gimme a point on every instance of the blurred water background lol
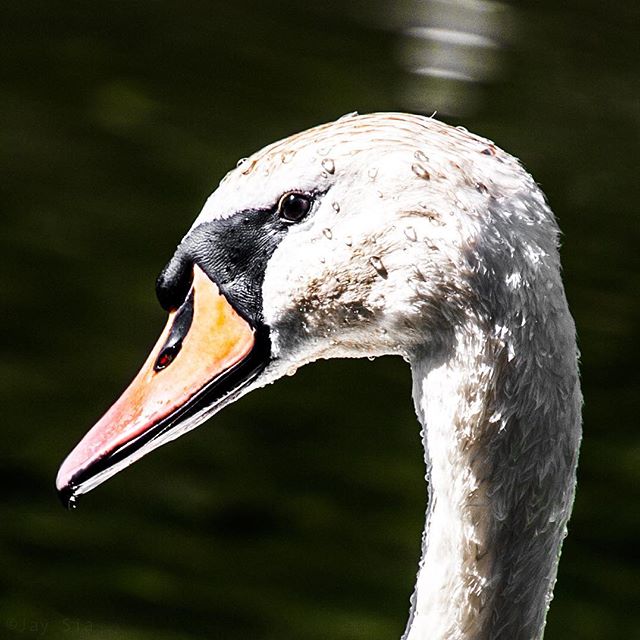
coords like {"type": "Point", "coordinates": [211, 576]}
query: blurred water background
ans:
{"type": "Point", "coordinates": [297, 512]}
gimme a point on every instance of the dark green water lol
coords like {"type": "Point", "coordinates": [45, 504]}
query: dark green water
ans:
{"type": "Point", "coordinates": [297, 512]}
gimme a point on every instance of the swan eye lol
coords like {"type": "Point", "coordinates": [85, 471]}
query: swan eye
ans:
{"type": "Point", "coordinates": [294, 206]}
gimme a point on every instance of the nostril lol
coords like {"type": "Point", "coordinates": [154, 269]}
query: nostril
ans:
{"type": "Point", "coordinates": [167, 356]}
{"type": "Point", "coordinates": [177, 334]}
{"type": "Point", "coordinates": [174, 281]}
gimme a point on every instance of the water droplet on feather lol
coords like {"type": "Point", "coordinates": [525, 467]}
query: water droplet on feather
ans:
{"type": "Point", "coordinates": [410, 232]}
{"type": "Point", "coordinates": [420, 170]}
{"type": "Point", "coordinates": [249, 168]}
{"type": "Point", "coordinates": [328, 165]}
{"type": "Point", "coordinates": [378, 265]}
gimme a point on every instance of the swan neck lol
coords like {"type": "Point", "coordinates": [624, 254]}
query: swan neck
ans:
{"type": "Point", "coordinates": [501, 432]}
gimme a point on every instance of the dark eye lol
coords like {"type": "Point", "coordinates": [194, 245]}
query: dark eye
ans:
{"type": "Point", "coordinates": [294, 206]}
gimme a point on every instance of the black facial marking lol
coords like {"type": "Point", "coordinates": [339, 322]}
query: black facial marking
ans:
{"type": "Point", "coordinates": [173, 283]}
{"type": "Point", "coordinates": [179, 330]}
{"type": "Point", "coordinates": [233, 252]}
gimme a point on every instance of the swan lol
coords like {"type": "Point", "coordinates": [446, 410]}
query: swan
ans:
{"type": "Point", "coordinates": [376, 234]}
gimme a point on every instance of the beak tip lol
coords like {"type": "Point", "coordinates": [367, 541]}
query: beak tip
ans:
{"type": "Point", "coordinates": [68, 497]}
{"type": "Point", "coordinates": [66, 489]}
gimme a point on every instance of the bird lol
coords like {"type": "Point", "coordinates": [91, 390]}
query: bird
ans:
{"type": "Point", "coordinates": [378, 234]}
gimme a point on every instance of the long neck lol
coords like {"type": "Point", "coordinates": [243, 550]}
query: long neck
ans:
{"type": "Point", "coordinates": [501, 425]}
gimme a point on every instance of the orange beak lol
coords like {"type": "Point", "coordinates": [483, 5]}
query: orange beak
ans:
{"type": "Point", "coordinates": [205, 355]}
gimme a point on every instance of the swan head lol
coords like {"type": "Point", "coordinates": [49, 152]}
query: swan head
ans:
{"type": "Point", "coordinates": [362, 237]}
